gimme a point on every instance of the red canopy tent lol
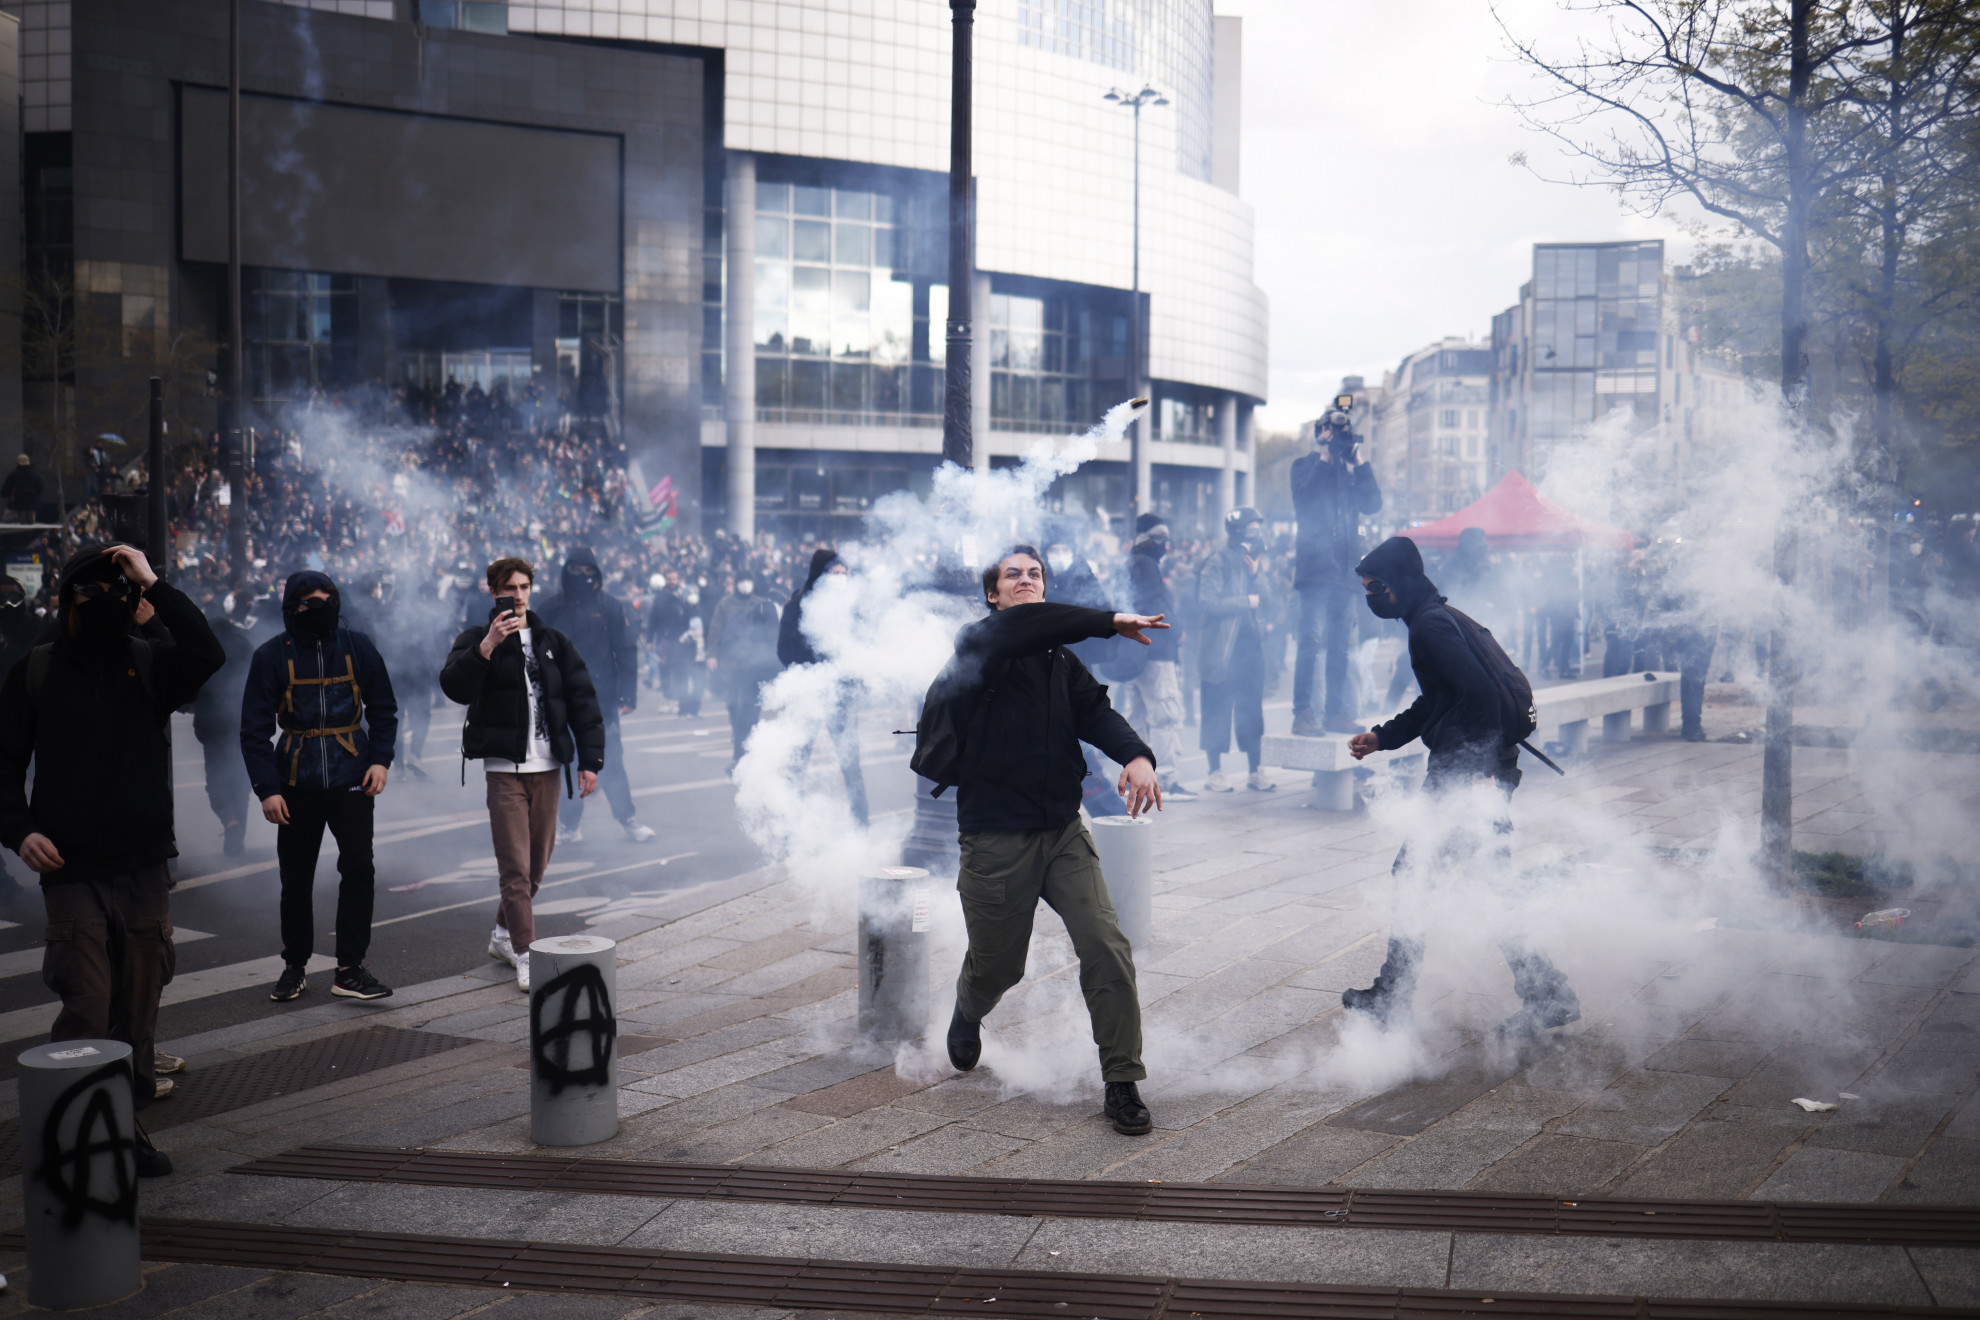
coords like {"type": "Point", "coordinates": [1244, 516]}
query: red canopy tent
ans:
{"type": "Point", "coordinates": [1515, 516]}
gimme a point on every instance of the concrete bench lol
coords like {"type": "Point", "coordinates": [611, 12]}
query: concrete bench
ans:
{"type": "Point", "coordinates": [1565, 711]}
{"type": "Point", "coordinates": [1332, 765]}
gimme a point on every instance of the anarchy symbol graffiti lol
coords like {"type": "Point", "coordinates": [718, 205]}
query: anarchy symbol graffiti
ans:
{"type": "Point", "coordinates": [574, 1048]}
{"type": "Point", "coordinates": [71, 1167]}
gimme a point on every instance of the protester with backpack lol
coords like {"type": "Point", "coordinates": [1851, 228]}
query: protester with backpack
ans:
{"type": "Point", "coordinates": [91, 710]}
{"type": "Point", "coordinates": [1004, 722]}
{"type": "Point", "coordinates": [321, 692]}
{"type": "Point", "coordinates": [1474, 711]}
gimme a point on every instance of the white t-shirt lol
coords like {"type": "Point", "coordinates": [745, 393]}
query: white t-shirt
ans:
{"type": "Point", "coordinates": [541, 758]}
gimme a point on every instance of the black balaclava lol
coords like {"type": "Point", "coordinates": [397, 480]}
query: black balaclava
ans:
{"type": "Point", "coordinates": [582, 576]}
{"type": "Point", "coordinates": [1151, 536]}
{"type": "Point", "coordinates": [100, 625]}
{"type": "Point", "coordinates": [310, 620]}
{"type": "Point", "coordinates": [1398, 565]}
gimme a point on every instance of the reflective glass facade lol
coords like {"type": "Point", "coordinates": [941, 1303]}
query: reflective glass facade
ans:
{"type": "Point", "coordinates": [1597, 310]}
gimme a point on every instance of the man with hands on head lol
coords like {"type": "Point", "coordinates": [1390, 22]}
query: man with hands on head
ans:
{"type": "Point", "coordinates": [532, 710]}
{"type": "Point", "coordinates": [320, 691]}
{"type": "Point", "coordinates": [1027, 702]}
{"type": "Point", "coordinates": [90, 709]}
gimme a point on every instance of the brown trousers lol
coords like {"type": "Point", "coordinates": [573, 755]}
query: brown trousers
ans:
{"type": "Point", "coordinates": [522, 815]}
{"type": "Point", "coordinates": [109, 954]}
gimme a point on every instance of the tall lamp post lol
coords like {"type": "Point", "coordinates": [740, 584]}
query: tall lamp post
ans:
{"type": "Point", "coordinates": [1140, 496]}
{"type": "Point", "coordinates": [233, 441]}
{"type": "Point", "coordinates": [958, 443]}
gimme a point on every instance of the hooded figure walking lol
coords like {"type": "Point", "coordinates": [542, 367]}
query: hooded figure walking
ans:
{"type": "Point", "coordinates": [318, 724]}
{"type": "Point", "coordinates": [1473, 770]}
{"type": "Point", "coordinates": [91, 709]}
{"type": "Point", "coordinates": [842, 721]}
{"type": "Point", "coordinates": [600, 626]}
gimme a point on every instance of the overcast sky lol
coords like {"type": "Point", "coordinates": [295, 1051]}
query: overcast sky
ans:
{"type": "Point", "coordinates": [1375, 155]}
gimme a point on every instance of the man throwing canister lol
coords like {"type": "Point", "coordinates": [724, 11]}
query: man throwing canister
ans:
{"type": "Point", "coordinates": [532, 710]}
{"type": "Point", "coordinates": [90, 709]}
{"type": "Point", "coordinates": [1026, 703]}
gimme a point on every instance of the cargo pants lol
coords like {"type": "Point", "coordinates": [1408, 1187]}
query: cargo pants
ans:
{"type": "Point", "coordinates": [1004, 876]}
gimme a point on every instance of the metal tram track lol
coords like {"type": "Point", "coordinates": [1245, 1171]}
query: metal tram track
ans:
{"type": "Point", "coordinates": [1192, 1203]}
{"type": "Point", "coordinates": [658, 1276]}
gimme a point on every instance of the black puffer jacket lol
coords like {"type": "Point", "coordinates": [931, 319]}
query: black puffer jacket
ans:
{"type": "Point", "coordinates": [496, 693]}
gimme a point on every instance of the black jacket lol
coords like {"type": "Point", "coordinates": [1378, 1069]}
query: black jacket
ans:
{"type": "Point", "coordinates": [1025, 768]}
{"type": "Point", "coordinates": [1152, 596]}
{"type": "Point", "coordinates": [102, 758]}
{"type": "Point", "coordinates": [600, 628]}
{"type": "Point", "coordinates": [217, 709]}
{"type": "Point", "coordinates": [496, 693]}
{"type": "Point", "coordinates": [1329, 498]}
{"type": "Point", "coordinates": [324, 763]}
{"type": "Point", "coordinates": [1457, 715]}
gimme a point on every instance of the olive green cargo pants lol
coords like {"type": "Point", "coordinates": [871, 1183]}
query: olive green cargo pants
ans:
{"type": "Point", "coordinates": [1004, 875]}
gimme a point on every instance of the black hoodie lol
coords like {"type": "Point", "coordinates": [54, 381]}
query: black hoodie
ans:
{"type": "Point", "coordinates": [793, 647]}
{"type": "Point", "coordinates": [1457, 715]}
{"type": "Point", "coordinates": [102, 758]}
{"type": "Point", "coordinates": [600, 627]}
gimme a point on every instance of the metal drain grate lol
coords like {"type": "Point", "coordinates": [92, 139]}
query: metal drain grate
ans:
{"type": "Point", "coordinates": [854, 1286]}
{"type": "Point", "coordinates": [1197, 1203]}
{"type": "Point", "coordinates": [238, 1083]}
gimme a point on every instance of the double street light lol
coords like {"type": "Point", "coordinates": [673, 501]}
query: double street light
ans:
{"type": "Point", "coordinates": [1139, 493]}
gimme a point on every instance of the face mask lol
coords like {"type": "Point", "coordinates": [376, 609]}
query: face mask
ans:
{"type": "Point", "coordinates": [1156, 549]}
{"type": "Point", "coordinates": [693, 596]}
{"type": "Point", "coordinates": [1384, 606]}
{"type": "Point", "coordinates": [316, 618]}
{"type": "Point", "coordinates": [1253, 544]}
{"type": "Point", "coordinates": [745, 588]}
{"type": "Point", "coordinates": [103, 623]}
{"type": "Point", "coordinates": [1058, 559]}
{"type": "Point", "coordinates": [588, 581]}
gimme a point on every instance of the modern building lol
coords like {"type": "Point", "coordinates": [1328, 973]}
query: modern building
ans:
{"type": "Point", "coordinates": [723, 222]}
{"type": "Point", "coordinates": [1603, 329]}
{"type": "Point", "coordinates": [1426, 429]}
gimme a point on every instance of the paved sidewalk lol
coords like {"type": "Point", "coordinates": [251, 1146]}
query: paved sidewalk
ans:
{"type": "Point", "coordinates": [1705, 1016]}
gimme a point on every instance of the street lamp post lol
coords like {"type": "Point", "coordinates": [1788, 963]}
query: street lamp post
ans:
{"type": "Point", "coordinates": [233, 441]}
{"type": "Point", "coordinates": [958, 443]}
{"type": "Point", "coordinates": [1140, 496]}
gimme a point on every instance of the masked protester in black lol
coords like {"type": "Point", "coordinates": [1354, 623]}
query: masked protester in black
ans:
{"type": "Point", "coordinates": [842, 721]}
{"type": "Point", "coordinates": [1458, 718]}
{"type": "Point", "coordinates": [321, 692]}
{"type": "Point", "coordinates": [92, 716]}
{"type": "Point", "coordinates": [217, 725]}
{"type": "Point", "coordinates": [600, 626]}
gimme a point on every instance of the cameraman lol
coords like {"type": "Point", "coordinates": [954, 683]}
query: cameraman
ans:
{"type": "Point", "coordinates": [1331, 488]}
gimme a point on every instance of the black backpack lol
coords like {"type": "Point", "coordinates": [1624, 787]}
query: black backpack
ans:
{"type": "Point", "coordinates": [1517, 718]}
{"type": "Point", "coordinates": [952, 714]}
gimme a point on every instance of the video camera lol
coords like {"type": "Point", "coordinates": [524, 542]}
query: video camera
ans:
{"type": "Point", "coordinates": [1338, 420]}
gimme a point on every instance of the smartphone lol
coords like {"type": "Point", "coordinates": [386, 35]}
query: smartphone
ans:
{"type": "Point", "coordinates": [504, 605]}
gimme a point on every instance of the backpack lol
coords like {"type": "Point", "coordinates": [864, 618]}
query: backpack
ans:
{"type": "Point", "coordinates": [1517, 718]}
{"type": "Point", "coordinates": [951, 715]}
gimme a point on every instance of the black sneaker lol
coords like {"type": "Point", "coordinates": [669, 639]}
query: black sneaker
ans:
{"type": "Point", "coordinates": [358, 983]}
{"type": "Point", "coordinates": [151, 1161]}
{"type": "Point", "coordinates": [291, 985]}
{"type": "Point", "coordinates": [965, 1041]}
{"type": "Point", "coordinates": [1535, 1018]}
{"type": "Point", "coordinates": [1124, 1106]}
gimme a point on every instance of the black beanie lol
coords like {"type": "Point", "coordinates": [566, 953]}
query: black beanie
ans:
{"type": "Point", "coordinates": [1146, 521]}
{"type": "Point", "coordinates": [1395, 560]}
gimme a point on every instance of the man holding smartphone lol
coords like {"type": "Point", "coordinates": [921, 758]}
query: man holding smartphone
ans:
{"type": "Point", "coordinates": [532, 710]}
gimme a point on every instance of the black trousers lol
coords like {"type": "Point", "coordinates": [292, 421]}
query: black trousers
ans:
{"type": "Point", "coordinates": [612, 782]}
{"type": "Point", "coordinates": [227, 788]}
{"type": "Point", "coordinates": [415, 718]}
{"type": "Point", "coordinates": [347, 813]}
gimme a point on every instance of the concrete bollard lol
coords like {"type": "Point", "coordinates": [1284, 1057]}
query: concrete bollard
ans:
{"type": "Point", "coordinates": [1127, 859]}
{"type": "Point", "coordinates": [573, 1040]}
{"type": "Point", "coordinates": [79, 1173]}
{"type": "Point", "coordinates": [895, 906]}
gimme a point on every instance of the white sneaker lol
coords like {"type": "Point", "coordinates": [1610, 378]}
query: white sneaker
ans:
{"type": "Point", "coordinates": [522, 972]}
{"type": "Point", "coordinates": [1216, 783]}
{"type": "Point", "coordinates": [570, 836]}
{"type": "Point", "coordinates": [1258, 783]}
{"type": "Point", "coordinates": [637, 832]}
{"type": "Point", "coordinates": [500, 947]}
{"type": "Point", "coordinates": [1175, 792]}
